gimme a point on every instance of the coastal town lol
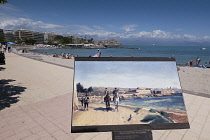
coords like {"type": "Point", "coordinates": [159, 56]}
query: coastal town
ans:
{"type": "Point", "coordinates": [95, 92]}
{"type": "Point", "coordinates": [53, 40]}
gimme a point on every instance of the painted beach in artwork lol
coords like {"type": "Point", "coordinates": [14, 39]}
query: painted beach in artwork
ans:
{"type": "Point", "coordinates": [127, 92]}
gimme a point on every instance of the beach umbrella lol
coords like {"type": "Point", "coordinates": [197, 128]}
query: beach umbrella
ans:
{"type": "Point", "coordinates": [10, 43]}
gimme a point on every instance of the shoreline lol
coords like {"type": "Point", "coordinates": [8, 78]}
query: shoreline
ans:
{"type": "Point", "coordinates": [125, 115]}
{"type": "Point", "coordinates": [198, 77]}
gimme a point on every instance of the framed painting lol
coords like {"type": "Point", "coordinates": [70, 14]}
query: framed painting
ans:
{"type": "Point", "coordinates": [128, 93]}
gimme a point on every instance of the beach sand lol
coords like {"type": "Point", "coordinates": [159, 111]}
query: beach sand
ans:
{"type": "Point", "coordinates": [98, 115]}
{"type": "Point", "coordinates": [195, 80]}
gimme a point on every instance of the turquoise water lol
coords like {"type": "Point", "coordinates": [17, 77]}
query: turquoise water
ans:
{"type": "Point", "coordinates": [164, 102]}
{"type": "Point", "coordinates": [182, 54]}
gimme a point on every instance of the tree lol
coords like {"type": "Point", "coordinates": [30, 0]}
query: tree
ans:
{"type": "Point", "coordinates": [2, 35]}
{"type": "Point", "coordinates": [90, 89]}
{"type": "Point", "coordinates": [80, 87]}
{"type": "Point", "coordinates": [30, 41]}
{"type": "Point", "coordinates": [3, 1]}
{"type": "Point", "coordinates": [63, 40]}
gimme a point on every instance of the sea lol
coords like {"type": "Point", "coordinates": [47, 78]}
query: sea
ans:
{"type": "Point", "coordinates": [161, 102]}
{"type": "Point", "coordinates": [182, 54]}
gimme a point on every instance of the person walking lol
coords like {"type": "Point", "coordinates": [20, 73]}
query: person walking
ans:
{"type": "Point", "coordinates": [116, 101]}
{"type": "Point", "coordinates": [86, 102]}
{"type": "Point", "coordinates": [107, 99]}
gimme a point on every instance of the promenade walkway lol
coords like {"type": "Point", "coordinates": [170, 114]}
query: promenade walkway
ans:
{"type": "Point", "coordinates": [38, 105]}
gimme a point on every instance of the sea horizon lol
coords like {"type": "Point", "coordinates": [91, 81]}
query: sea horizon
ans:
{"type": "Point", "coordinates": [182, 54]}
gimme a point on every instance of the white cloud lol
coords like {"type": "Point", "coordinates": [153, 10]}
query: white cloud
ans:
{"type": "Point", "coordinates": [190, 37]}
{"type": "Point", "coordinates": [23, 23]}
{"type": "Point", "coordinates": [206, 38]}
{"type": "Point", "coordinates": [129, 28]}
{"type": "Point", "coordinates": [96, 31]}
{"type": "Point", "coordinates": [98, 27]}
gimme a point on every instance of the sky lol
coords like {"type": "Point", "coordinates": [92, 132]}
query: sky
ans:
{"type": "Point", "coordinates": [127, 74]}
{"type": "Point", "coordinates": [149, 21]}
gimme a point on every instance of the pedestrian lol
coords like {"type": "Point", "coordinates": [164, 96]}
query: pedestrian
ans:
{"type": "Point", "coordinates": [82, 101]}
{"type": "Point", "coordinates": [116, 101]}
{"type": "Point", "coordinates": [107, 99]}
{"type": "Point", "coordinates": [114, 92]}
{"type": "Point", "coordinates": [105, 92]}
{"type": "Point", "coordinates": [86, 102]}
{"type": "Point", "coordinates": [198, 60]}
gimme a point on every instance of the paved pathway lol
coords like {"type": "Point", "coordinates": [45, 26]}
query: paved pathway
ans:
{"type": "Point", "coordinates": [46, 115]}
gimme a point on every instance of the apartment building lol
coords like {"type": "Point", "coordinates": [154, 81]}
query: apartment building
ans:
{"type": "Point", "coordinates": [39, 37]}
{"type": "Point", "coordinates": [23, 34]}
{"type": "Point", "coordinates": [9, 35]}
{"type": "Point", "coordinates": [49, 36]}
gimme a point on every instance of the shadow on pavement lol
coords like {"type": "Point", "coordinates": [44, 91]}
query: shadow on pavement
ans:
{"type": "Point", "coordinates": [9, 93]}
{"type": "Point", "coordinates": [1, 68]}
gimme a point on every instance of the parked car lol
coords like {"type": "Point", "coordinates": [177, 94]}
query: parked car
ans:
{"type": "Point", "coordinates": [2, 58]}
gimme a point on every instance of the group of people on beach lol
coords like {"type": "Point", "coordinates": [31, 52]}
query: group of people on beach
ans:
{"type": "Point", "coordinates": [107, 99]}
{"type": "Point", "coordinates": [85, 101]}
{"type": "Point", "coordinates": [5, 47]}
{"type": "Point", "coordinates": [197, 63]}
{"type": "Point", "coordinates": [65, 55]}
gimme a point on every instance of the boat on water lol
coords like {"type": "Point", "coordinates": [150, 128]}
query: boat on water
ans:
{"type": "Point", "coordinates": [202, 48]}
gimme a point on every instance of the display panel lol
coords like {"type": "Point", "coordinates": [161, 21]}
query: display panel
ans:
{"type": "Point", "coordinates": [121, 94]}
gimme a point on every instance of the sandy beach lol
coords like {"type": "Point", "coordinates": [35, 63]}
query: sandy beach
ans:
{"type": "Point", "coordinates": [98, 115]}
{"type": "Point", "coordinates": [40, 96]}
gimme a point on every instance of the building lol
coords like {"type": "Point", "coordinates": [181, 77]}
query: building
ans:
{"type": "Point", "coordinates": [23, 34]}
{"type": "Point", "coordinates": [49, 37]}
{"type": "Point", "coordinates": [39, 37]}
{"type": "Point", "coordinates": [9, 35]}
{"type": "Point", "coordinates": [77, 40]}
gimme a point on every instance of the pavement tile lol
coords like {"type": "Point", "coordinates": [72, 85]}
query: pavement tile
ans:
{"type": "Point", "coordinates": [31, 137]}
{"type": "Point", "coordinates": [7, 134]}
{"type": "Point", "coordinates": [204, 135]}
{"type": "Point", "coordinates": [43, 134]}
{"type": "Point", "coordinates": [21, 129]}
{"type": "Point", "coordinates": [200, 119]}
{"type": "Point", "coordinates": [174, 136]}
{"type": "Point", "coordinates": [40, 119]}
{"type": "Point", "coordinates": [165, 135]}
{"type": "Point", "coordinates": [190, 136]}
{"type": "Point", "coordinates": [48, 138]}
{"type": "Point", "coordinates": [156, 135]}
{"type": "Point", "coordinates": [23, 134]}
{"type": "Point", "coordinates": [196, 128]}
{"type": "Point", "coordinates": [61, 135]}
{"type": "Point", "coordinates": [180, 131]}
{"type": "Point", "coordinates": [206, 127]}
{"type": "Point", "coordinates": [208, 118]}
{"type": "Point", "coordinates": [203, 111]}
{"type": "Point", "coordinates": [50, 127]}
{"type": "Point", "coordinates": [74, 135]}
{"type": "Point", "coordinates": [36, 129]}
{"type": "Point", "coordinates": [101, 136]}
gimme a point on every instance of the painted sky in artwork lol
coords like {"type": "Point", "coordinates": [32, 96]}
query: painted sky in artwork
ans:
{"type": "Point", "coordinates": [127, 74]}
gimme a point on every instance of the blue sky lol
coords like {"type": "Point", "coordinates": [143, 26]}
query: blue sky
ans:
{"type": "Point", "coordinates": [126, 74]}
{"type": "Point", "coordinates": [126, 20]}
